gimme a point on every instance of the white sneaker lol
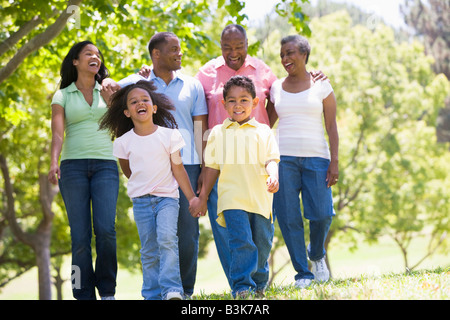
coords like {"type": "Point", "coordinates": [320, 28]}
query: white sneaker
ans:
{"type": "Point", "coordinates": [302, 283]}
{"type": "Point", "coordinates": [174, 295]}
{"type": "Point", "coordinates": [320, 270]}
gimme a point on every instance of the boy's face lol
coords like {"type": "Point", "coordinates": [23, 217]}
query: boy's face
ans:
{"type": "Point", "coordinates": [239, 104]}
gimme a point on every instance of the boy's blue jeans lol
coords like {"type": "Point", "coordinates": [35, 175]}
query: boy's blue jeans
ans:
{"type": "Point", "coordinates": [220, 234]}
{"type": "Point", "coordinates": [156, 220]}
{"type": "Point", "coordinates": [250, 242]}
{"type": "Point", "coordinates": [87, 183]}
{"type": "Point", "coordinates": [305, 175]}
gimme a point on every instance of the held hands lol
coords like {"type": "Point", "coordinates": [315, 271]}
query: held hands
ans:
{"type": "Point", "coordinates": [197, 207]}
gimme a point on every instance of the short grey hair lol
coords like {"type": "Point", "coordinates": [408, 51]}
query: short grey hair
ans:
{"type": "Point", "coordinates": [301, 43]}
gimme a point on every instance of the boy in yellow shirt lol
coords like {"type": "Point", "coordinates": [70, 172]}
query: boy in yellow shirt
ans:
{"type": "Point", "coordinates": [244, 155]}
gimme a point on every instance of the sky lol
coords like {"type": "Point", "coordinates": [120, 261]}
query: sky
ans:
{"type": "Point", "coordinates": [389, 10]}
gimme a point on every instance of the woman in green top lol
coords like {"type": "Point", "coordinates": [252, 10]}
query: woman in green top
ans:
{"type": "Point", "coordinates": [88, 174]}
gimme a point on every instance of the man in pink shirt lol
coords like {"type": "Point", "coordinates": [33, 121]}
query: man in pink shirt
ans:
{"type": "Point", "coordinates": [213, 76]}
{"type": "Point", "coordinates": [235, 61]}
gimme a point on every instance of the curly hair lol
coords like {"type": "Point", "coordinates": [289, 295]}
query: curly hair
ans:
{"type": "Point", "coordinates": [118, 124]}
{"type": "Point", "coordinates": [239, 81]}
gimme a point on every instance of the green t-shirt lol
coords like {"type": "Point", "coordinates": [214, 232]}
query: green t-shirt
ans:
{"type": "Point", "coordinates": [83, 140]}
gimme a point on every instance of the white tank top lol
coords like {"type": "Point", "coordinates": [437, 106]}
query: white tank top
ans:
{"type": "Point", "coordinates": [300, 130]}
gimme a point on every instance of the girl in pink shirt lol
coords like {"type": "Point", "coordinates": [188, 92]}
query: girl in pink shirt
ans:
{"type": "Point", "coordinates": [148, 146]}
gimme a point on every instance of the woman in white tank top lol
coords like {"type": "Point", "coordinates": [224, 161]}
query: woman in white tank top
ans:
{"type": "Point", "coordinates": [308, 165]}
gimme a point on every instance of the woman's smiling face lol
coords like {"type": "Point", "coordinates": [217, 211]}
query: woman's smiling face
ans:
{"type": "Point", "coordinates": [88, 59]}
{"type": "Point", "coordinates": [291, 58]}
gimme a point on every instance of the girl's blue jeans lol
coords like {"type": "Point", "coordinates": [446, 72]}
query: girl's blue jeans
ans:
{"type": "Point", "coordinates": [86, 184]}
{"type": "Point", "coordinates": [305, 176]}
{"type": "Point", "coordinates": [156, 220]}
{"type": "Point", "coordinates": [250, 241]}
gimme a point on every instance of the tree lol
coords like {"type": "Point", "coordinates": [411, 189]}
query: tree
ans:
{"type": "Point", "coordinates": [388, 101]}
{"type": "Point", "coordinates": [392, 171]}
{"type": "Point", "coordinates": [431, 22]}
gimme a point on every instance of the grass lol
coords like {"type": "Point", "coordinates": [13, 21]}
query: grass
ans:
{"type": "Point", "coordinates": [370, 272]}
{"type": "Point", "coordinates": [421, 285]}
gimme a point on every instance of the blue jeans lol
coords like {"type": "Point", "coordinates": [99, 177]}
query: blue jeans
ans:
{"type": "Point", "coordinates": [305, 175]}
{"type": "Point", "coordinates": [220, 234]}
{"type": "Point", "coordinates": [188, 235]}
{"type": "Point", "coordinates": [86, 184]}
{"type": "Point", "coordinates": [156, 220]}
{"type": "Point", "coordinates": [250, 242]}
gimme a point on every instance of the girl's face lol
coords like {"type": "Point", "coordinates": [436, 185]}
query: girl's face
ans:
{"type": "Point", "coordinates": [291, 58]}
{"type": "Point", "coordinates": [239, 104]}
{"type": "Point", "coordinates": [88, 59]}
{"type": "Point", "coordinates": [140, 106]}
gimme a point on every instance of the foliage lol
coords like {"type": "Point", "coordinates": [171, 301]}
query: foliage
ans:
{"type": "Point", "coordinates": [392, 171]}
{"type": "Point", "coordinates": [34, 38]}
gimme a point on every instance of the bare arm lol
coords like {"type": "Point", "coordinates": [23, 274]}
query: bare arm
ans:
{"type": "Point", "coordinates": [58, 127]}
{"type": "Point", "coordinates": [125, 166]}
{"type": "Point", "coordinates": [329, 111]}
{"type": "Point", "coordinates": [200, 127]}
{"type": "Point", "coordinates": [181, 175]}
{"type": "Point", "coordinates": [273, 116]}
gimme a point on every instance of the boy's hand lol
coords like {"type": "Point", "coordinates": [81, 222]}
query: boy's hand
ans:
{"type": "Point", "coordinates": [272, 184]}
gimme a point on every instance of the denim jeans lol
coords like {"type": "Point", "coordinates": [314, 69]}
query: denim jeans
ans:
{"type": "Point", "coordinates": [156, 220]}
{"type": "Point", "coordinates": [250, 242]}
{"type": "Point", "coordinates": [220, 234]}
{"type": "Point", "coordinates": [188, 235]}
{"type": "Point", "coordinates": [305, 175]}
{"type": "Point", "coordinates": [86, 184]}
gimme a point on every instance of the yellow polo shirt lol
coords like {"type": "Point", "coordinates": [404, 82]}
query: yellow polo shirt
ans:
{"type": "Point", "coordinates": [241, 152]}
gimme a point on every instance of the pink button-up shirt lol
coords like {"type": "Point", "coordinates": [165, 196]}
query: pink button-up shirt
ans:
{"type": "Point", "coordinates": [215, 73]}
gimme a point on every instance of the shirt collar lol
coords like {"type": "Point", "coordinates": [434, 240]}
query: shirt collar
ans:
{"type": "Point", "coordinates": [233, 124]}
{"type": "Point", "coordinates": [72, 87]}
{"type": "Point", "coordinates": [249, 61]}
{"type": "Point", "coordinates": [178, 75]}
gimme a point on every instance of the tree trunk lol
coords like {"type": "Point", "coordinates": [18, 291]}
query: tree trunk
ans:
{"type": "Point", "coordinates": [42, 250]}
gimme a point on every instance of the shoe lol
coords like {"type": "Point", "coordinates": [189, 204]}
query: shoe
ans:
{"type": "Point", "coordinates": [302, 283]}
{"type": "Point", "coordinates": [108, 298]}
{"type": "Point", "coordinates": [174, 295]}
{"type": "Point", "coordinates": [320, 270]}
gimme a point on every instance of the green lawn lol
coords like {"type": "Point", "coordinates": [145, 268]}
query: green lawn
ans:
{"type": "Point", "coordinates": [370, 272]}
